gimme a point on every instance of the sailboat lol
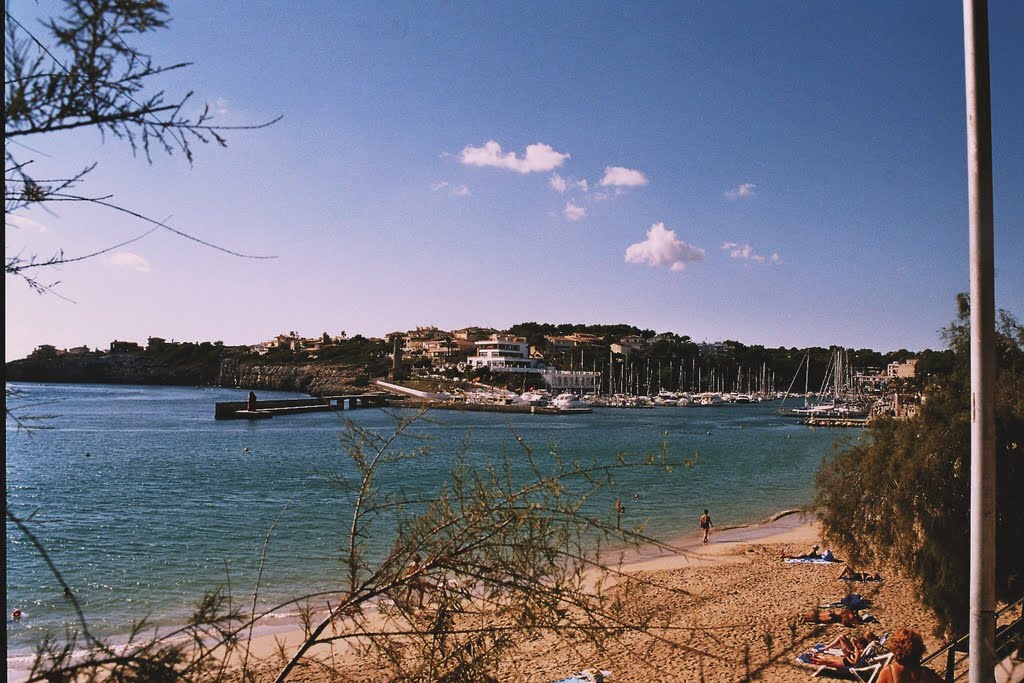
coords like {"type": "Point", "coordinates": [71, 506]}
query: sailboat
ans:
{"type": "Point", "coordinates": [835, 399]}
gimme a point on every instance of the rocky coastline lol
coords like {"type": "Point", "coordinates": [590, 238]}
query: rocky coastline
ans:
{"type": "Point", "coordinates": [133, 368]}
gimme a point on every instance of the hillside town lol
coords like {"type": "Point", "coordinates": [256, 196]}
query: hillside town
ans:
{"type": "Point", "coordinates": [547, 365]}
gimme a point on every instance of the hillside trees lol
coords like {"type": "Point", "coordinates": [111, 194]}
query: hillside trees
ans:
{"type": "Point", "coordinates": [904, 494]}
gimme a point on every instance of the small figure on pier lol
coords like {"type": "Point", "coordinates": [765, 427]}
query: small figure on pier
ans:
{"type": "Point", "coordinates": [251, 404]}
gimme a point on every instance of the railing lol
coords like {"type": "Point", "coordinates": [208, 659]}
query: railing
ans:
{"type": "Point", "coordinates": [1008, 638]}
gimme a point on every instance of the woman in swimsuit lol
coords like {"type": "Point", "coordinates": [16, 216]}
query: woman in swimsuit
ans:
{"type": "Point", "coordinates": [907, 647]}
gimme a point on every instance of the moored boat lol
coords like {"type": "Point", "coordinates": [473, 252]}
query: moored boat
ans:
{"type": "Point", "coordinates": [570, 403]}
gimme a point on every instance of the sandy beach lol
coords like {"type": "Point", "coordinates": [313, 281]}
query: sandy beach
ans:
{"type": "Point", "coordinates": [727, 607]}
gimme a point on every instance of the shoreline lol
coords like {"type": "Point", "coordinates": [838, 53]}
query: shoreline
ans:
{"type": "Point", "coordinates": [728, 549]}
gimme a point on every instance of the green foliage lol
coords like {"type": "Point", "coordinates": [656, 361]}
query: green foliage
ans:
{"type": "Point", "coordinates": [903, 495]}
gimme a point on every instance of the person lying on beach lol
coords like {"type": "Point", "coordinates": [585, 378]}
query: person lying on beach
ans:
{"type": "Point", "coordinates": [848, 617]}
{"type": "Point", "coordinates": [812, 554]}
{"type": "Point", "coordinates": [819, 617]}
{"type": "Point", "coordinates": [850, 575]}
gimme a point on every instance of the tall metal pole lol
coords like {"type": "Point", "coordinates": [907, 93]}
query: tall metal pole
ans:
{"type": "Point", "coordinates": [983, 461]}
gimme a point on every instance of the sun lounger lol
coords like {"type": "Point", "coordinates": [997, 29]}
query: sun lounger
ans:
{"type": "Point", "coordinates": [865, 670]}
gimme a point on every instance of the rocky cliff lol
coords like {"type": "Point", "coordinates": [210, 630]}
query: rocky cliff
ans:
{"type": "Point", "coordinates": [316, 380]}
{"type": "Point", "coordinates": [133, 368]}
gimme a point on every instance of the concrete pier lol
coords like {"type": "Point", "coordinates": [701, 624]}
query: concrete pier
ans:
{"type": "Point", "coordinates": [261, 410]}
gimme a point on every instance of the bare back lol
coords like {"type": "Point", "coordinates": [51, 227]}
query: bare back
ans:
{"type": "Point", "coordinates": [894, 672]}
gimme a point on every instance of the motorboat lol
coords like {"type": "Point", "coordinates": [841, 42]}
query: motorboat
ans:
{"type": "Point", "coordinates": [570, 403]}
{"type": "Point", "coordinates": [536, 398]}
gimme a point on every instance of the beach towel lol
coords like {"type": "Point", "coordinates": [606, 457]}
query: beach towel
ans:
{"type": "Point", "coordinates": [587, 676]}
{"type": "Point", "coordinates": [811, 560]}
{"type": "Point", "coordinates": [851, 601]}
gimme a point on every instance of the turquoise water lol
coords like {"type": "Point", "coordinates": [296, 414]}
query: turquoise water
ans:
{"type": "Point", "coordinates": [144, 501]}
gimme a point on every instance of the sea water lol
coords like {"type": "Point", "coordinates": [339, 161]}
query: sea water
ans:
{"type": "Point", "coordinates": [143, 501]}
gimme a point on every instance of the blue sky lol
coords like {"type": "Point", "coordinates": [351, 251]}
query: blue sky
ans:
{"type": "Point", "coordinates": [779, 173]}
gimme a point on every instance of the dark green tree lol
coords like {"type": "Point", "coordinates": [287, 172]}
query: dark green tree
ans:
{"type": "Point", "coordinates": [903, 495]}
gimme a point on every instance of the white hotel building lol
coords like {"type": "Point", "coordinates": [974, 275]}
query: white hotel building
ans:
{"type": "Point", "coordinates": [504, 353]}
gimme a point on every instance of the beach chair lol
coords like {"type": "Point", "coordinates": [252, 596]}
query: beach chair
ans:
{"type": "Point", "coordinates": [864, 670]}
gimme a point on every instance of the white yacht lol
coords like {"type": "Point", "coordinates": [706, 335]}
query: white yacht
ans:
{"type": "Point", "coordinates": [570, 402]}
{"type": "Point", "coordinates": [536, 398]}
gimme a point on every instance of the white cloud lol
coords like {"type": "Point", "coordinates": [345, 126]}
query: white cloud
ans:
{"type": "Point", "coordinates": [562, 185]}
{"type": "Point", "coordinates": [745, 252]}
{"type": "Point", "coordinates": [220, 106]}
{"type": "Point", "coordinates": [539, 157]}
{"type": "Point", "coordinates": [126, 259]}
{"type": "Point", "coordinates": [453, 190]}
{"type": "Point", "coordinates": [24, 223]}
{"type": "Point", "coordinates": [617, 176]}
{"type": "Point", "coordinates": [741, 191]}
{"type": "Point", "coordinates": [663, 248]}
{"type": "Point", "coordinates": [573, 212]}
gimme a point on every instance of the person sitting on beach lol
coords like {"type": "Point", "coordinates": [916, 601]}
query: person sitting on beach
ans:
{"type": "Point", "coordinates": [850, 575]}
{"type": "Point", "coordinates": [852, 649]}
{"type": "Point", "coordinates": [907, 648]}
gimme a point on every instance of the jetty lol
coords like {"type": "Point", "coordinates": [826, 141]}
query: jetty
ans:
{"type": "Point", "coordinates": [262, 410]}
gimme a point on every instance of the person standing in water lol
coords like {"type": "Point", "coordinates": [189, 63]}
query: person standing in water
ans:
{"type": "Point", "coordinates": [706, 524]}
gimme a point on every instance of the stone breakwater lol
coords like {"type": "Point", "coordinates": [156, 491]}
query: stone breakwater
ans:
{"type": "Point", "coordinates": [128, 368]}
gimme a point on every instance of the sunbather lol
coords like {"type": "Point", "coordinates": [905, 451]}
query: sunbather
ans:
{"type": "Point", "coordinates": [850, 575]}
{"type": "Point", "coordinates": [819, 617]}
{"type": "Point", "coordinates": [851, 649]}
{"type": "Point", "coordinates": [848, 617]}
{"type": "Point", "coordinates": [812, 554]}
